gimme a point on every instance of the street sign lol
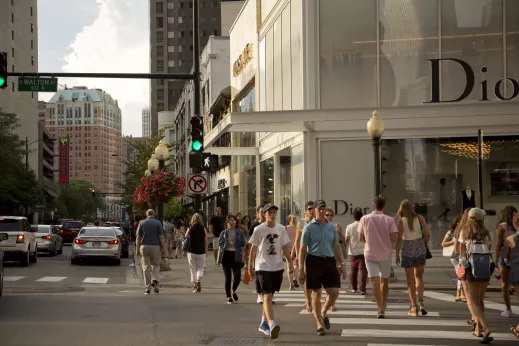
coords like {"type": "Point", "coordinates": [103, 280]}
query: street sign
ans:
{"type": "Point", "coordinates": [197, 183]}
{"type": "Point", "coordinates": [37, 84]}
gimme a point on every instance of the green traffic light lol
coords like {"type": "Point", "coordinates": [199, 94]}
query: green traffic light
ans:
{"type": "Point", "coordinates": [196, 145]}
{"type": "Point", "coordinates": [2, 81]}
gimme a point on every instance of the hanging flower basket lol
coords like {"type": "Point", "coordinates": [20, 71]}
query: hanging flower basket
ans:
{"type": "Point", "coordinates": [159, 188]}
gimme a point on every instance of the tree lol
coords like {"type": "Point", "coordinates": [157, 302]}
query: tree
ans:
{"type": "Point", "coordinates": [19, 187]}
{"type": "Point", "coordinates": [76, 201]}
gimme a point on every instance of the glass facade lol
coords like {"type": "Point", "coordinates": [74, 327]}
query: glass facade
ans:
{"type": "Point", "coordinates": [378, 54]}
{"type": "Point", "coordinates": [267, 181]}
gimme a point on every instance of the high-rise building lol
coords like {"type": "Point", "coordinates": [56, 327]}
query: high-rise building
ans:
{"type": "Point", "coordinates": [19, 39]}
{"type": "Point", "coordinates": [171, 43]}
{"type": "Point", "coordinates": [91, 119]}
{"type": "Point", "coordinates": [146, 123]}
{"type": "Point", "coordinates": [42, 106]}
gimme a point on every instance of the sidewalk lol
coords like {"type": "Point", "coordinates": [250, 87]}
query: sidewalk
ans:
{"type": "Point", "coordinates": [439, 275]}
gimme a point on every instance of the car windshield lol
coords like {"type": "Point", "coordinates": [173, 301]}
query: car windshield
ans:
{"type": "Point", "coordinates": [118, 231]}
{"type": "Point", "coordinates": [72, 224]}
{"type": "Point", "coordinates": [97, 232]}
{"type": "Point", "coordinates": [41, 229]}
{"type": "Point", "coordinates": [9, 225]}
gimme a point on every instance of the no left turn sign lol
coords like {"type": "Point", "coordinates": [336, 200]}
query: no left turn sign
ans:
{"type": "Point", "coordinates": [197, 183]}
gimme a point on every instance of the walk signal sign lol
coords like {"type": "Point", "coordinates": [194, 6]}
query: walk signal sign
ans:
{"type": "Point", "coordinates": [197, 134]}
{"type": "Point", "coordinates": [3, 70]}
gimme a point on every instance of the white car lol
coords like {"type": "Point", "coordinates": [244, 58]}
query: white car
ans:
{"type": "Point", "coordinates": [96, 242]}
{"type": "Point", "coordinates": [21, 245]}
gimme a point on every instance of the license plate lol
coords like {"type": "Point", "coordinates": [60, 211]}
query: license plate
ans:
{"type": "Point", "coordinates": [96, 244]}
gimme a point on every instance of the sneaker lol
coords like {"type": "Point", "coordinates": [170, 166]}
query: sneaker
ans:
{"type": "Point", "coordinates": [264, 328]}
{"type": "Point", "coordinates": [146, 292]}
{"type": "Point", "coordinates": [260, 299]}
{"type": "Point", "coordinates": [296, 284]}
{"type": "Point", "coordinates": [155, 285]}
{"type": "Point", "coordinates": [198, 287]}
{"type": "Point", "coordinates": [507, 314]}
{"type": "Point", "coordinates": [274, 331]}
{"type": "Point", "coordinates": [229, 300]}
{"type": "Point", "coordinates": [352, 290]}
{"type": "Point", "coordinates": [235, 296]}
{"type": "Point", "coordinates": [381, 314]}
{"type": "Point", "coordinates": [363, 293]}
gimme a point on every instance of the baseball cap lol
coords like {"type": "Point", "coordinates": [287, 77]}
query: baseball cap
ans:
{"type": "Point", "coordinates": [477, 214]}
{"type": "Point", "coordinates": [320, 203]}
{"type": "Point", "coordinates": [269, 206]}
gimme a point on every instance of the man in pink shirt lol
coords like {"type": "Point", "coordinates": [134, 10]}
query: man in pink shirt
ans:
{"type": "Point", "coordinates": [379, 232]}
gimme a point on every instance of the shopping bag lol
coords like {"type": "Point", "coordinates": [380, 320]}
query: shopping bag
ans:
{"type": "Point", "coordinates": [246, 277]}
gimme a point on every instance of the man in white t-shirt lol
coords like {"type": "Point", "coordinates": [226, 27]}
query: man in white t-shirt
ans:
{"type": "Point", "coordinates": [356, 253]}
{"type": "Point", "coordinates": [269, 243]}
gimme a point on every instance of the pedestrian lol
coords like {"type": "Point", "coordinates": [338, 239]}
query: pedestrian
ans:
{"type": "Point", "coordinates": [136, 226]}
{"type": "Point", "coordinates": [476, 258]}
{"type": "Point", "coordinates": [168, 232]}
{"type": "Point", "coordinates": [260, 218]}
{"type": "Point", "coordinates": [231, 252]}
{"type": "Point", "coordinates": [448, 241]}
{"type": "Point", "coordinates": [378, 232]}
{"type": "Point", "coordinates": [319, 254]}
{"type": "Point", "coordinates": [216, 226]}
{"type": "Point", "coordinates": [269, 243]}
{"type": "Point", "coordinates": [291, 231]}
{"type": "Point", "coordinates": [329, 214]}
{"type": "Point", "coordinates": [308, 217]}
{"type": "Point", "coordinates": [179, 236]}
{"type": "Point", "coordinates": [511, 258]}
{"type": "Point", "coordinates": [504, 229]}
{"type": "Point", "coordinates": [149, 243]}
{"type": "Point", "coordinates": [413, 239]}
{"type": "Point", "coordinates": [356, 254]}
{"type": "Point", "coordinates": [197, 251]}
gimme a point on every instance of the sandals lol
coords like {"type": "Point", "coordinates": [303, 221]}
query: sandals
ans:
{"type": "Point", "coordinates": [487, 339]}
{"type": "Point", "coordinates": [472, 325]}
{"type": "Point", "coordinates": [514, 331]}
{"type": "Point", "coordinates": [333, 308]}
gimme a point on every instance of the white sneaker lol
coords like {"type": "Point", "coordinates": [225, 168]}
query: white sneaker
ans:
{"type": "Point", "coordinates": [507, 314]}
{"type": "Point", "coordinates": [260, 299]}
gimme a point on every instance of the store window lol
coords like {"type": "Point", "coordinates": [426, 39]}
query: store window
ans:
{"type": "Point", "coordinates": [267, 181]}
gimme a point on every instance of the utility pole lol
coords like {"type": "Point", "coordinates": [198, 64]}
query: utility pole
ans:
{"type": "Point", "coordinates": [26, 154]}
{"type": "Point", "coordinates": [196, 75]}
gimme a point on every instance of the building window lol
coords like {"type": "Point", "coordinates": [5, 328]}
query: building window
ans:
{"type": "Point", "coordinates": [12, 35]}
{"type": "Point", "coordinates": [171, 5]}
{"type": "Point", "coordinates": [160, 82]}
{"type": "Point", "coordinates": [171, 20]}
{"type": "Point", "coordinates": [180, 20]}
{"type": "Point", "coordinates": [181, 34]}
{"type": "Point", "coordinates": [32, 60]}
{"type": "Point", "coordinates": [171, 34]}
{"type": "Point", "coordinates": [171, 63]}
{"type": "Point", "coordinates": [160, 22]}
{"type": "Point", "coordinates": [160, 107]}
{"type": "Point", "coordinates": [191, 48]}
{"type": "Point", "coordinates": [12, 17]}
{"type": "Point", "coordinates": [160, 65]}
{"type": "Point", "coordinates": [181, 4]}
{"type": "Point", "coordinates": [32, 44]}
{"type": "Point", "coordinates": [160, 51]}
{"type": "Point", "coordinates": [171, 49]}
{"type": "Point", "coordinates": [31, 11]}
{"type": "Point", "coordinates": [202, 19]}
{"type": "Point", "coordinates": [12, 52]}
{"type": "Point", "coordinates": [215, 32]}
{"type": "Point", "coordinates": [160, 7]}
{"type": "Point", "coordinates": [160, 94]}
{"type": "Point", "coordinates": [180, 49]}
{"type": "Point", "coordinates": [160, 36]}
{"type": "Point", "coordinates": [32, 27]}
{"type": "Point", "coordinates": [204, 33]}
{"type": "Point", "coordinates": [191, 4]}
{"type": "Point", "coordinates": [191, 33]}
{"type": "Point", "coordinates": [213, 19]}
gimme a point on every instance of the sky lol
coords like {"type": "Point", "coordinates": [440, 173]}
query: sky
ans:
{"type": "Point", "coordinates": [98, 36]}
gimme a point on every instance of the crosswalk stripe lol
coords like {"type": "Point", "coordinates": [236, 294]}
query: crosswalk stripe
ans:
{"type": "Point", "coordinates": [13, 278]}
{"type": "Point", "coordinates": [398, 322]}
{"type": "Point", "coordinates": [418, 334]}
{"type": "Point", "coordinates": [450, 298]}
{"type": "Point", "coordinates": [369, 313]}
{"type": "Point", "coordinates": [302, 299]}
{"type": "Point", "coordinates": [51, 279]}
{"type": "Point", "coordinates": [399, 345]}
{"type": "Point", "coordinates": [323, 292]}
{"type": "Point", "coordinates": [95, 280]}
{"type": "Point", "coordinates": [346, 296]}
{"type": "Point", "coordinates": [352, 306]}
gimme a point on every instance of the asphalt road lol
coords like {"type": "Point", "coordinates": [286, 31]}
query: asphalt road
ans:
{"type": "Point", "coordinates": [72, 312]}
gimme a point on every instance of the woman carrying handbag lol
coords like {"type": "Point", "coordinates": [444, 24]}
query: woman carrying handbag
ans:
{"type": "Point", "coordinates": [448, 244]}
{"type": "Point", "coordinates": [195, 245]}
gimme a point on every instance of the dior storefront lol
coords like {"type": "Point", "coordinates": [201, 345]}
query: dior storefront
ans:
{"type": "Point", "coordinates": [436, 70]}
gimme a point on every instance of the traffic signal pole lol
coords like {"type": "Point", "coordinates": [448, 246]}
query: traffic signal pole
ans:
{"type": "Point", "coordinates": [196, 76]}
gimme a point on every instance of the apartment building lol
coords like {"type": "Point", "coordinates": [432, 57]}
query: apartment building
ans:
{"type": "Point", "coordinates": [91, 119]}
{"type": "Point", "coordinates": [146, 123]}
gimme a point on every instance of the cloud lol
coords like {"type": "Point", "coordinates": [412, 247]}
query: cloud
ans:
{"type": "Point", "coordinates": [116, 42]}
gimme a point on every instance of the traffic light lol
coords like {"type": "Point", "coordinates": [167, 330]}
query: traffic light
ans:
{"type": "Point", "coordinates": [93, 192]}
{"type": "Point", "coordinates": [3, 70]}
{"type": "Point", "coordinates": [197, 134]}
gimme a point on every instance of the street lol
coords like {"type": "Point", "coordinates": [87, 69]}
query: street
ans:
{"type": "Point", "coordinates": [64, 309]}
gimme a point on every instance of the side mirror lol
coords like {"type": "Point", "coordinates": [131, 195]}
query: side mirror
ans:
{"type": "Point", "coordinates": [3, 236]}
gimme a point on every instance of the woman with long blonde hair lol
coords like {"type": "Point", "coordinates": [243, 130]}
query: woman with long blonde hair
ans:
{"type": "Point", "coordinates": [197, 250]}
{"type": "Point", "coordinates": [413, 237]}
{"type": "Point", "coordinates": [291, 230]}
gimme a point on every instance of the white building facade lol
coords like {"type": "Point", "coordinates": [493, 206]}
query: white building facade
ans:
{"type": "Point", "coordinates": [146, 123]}
{"type": "Point", "coordinates": [319, 68]}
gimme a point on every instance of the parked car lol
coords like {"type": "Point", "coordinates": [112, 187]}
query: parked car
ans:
{"type": "Point", "coordinates": [3, 236]}
{"type": "Point", "coordinates": [48, 239]}
{"type": "Point", "coordinates": [69, 230]}
{"type": "Point", "coordinates": [96, 242]}
{"type": "Point", "coordinates": [125, 243]}
{"type": "Point", "coordinates": [21, 244]}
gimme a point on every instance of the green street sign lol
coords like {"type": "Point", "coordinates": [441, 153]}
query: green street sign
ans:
{"type": "Point", "coordinates": [37, 84]}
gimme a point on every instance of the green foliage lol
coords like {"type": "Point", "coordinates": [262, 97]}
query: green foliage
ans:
{"type": "Point", "coordinates": [76, 201]}
{"type": "Point", "coordinates": [19, 188]}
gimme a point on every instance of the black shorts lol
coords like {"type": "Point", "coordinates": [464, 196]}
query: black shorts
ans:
{"type": "Point", "coordinates": [321, 272]}
{"type": "Point", "coordinates": [268, 282]}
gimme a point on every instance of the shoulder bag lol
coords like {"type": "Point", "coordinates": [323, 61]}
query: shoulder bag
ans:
{"type": "Point", "coordinates": [428, 254]}
{"type": "Point", "coordinates": [186, 243]}
{"type": "Point", "coordinates": [448, 251]}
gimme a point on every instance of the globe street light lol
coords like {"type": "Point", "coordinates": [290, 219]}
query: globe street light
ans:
{"type": "Point", "coordinates": [147, 173]}
{"type": "Point", "coordinates": [375, 128]}
{"type": "Point", "coordinates": [161, 155]}
{"type": "Point", "coordinates": [153, 164]}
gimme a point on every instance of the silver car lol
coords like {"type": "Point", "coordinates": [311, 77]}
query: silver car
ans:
{"type": "Point", "coordinates": [96, 242]}
{"type": "Point", "coordinates": [48, 239]}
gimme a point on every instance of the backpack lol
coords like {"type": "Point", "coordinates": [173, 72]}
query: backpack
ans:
{"type": "Point", "coordinates": [480, 261]}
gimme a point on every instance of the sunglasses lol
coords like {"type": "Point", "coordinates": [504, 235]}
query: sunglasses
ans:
{"type": "Point", "coordinates": [328, 215]}
{"type": "Point", "coordinates": [310, 208]}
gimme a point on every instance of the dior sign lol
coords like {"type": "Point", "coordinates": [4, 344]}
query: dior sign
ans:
{"type": "Point", "coordinates": [469, 84]}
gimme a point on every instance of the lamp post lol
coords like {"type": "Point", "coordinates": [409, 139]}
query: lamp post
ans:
{"type": "Point", "coordinates": [375, 127]}
{"type": "Point", "coordinates": [161, 155]}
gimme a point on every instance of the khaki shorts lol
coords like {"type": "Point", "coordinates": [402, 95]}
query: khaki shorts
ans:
{"type": "Point", "coordinates": [381, 269]}
{"type": "Point", "coordinates": [215, 243]}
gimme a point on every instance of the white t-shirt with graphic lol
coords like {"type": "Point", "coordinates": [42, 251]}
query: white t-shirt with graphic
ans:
{"type": "Point", "coordinates": [269, 256]}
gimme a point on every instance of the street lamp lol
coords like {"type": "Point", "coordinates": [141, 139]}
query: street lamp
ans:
{"type": "Point", "coordinates": [153, 164]}
{"type": "Point", "coordinates": [375, 127]}
{"type": "Point", "coordinates": [147, 173]}
{"type": "Point", "coordinates": [161, 155]}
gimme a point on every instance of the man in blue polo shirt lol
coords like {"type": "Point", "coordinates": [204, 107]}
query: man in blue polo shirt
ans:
{"type": "Point", "coordinates": [322, 251]}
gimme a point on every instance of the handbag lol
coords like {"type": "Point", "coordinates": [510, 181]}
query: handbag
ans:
{"type": "Point", "coordinates": [186, 244]}
{"type": "Point", "coordinates": [460, 272]}
{"type": "Point", "coordinates": [428, 254]}
{"type": "Point", "coordinates": [246, 277]}
{"type": "Point", "coordinates": [448, 251]}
